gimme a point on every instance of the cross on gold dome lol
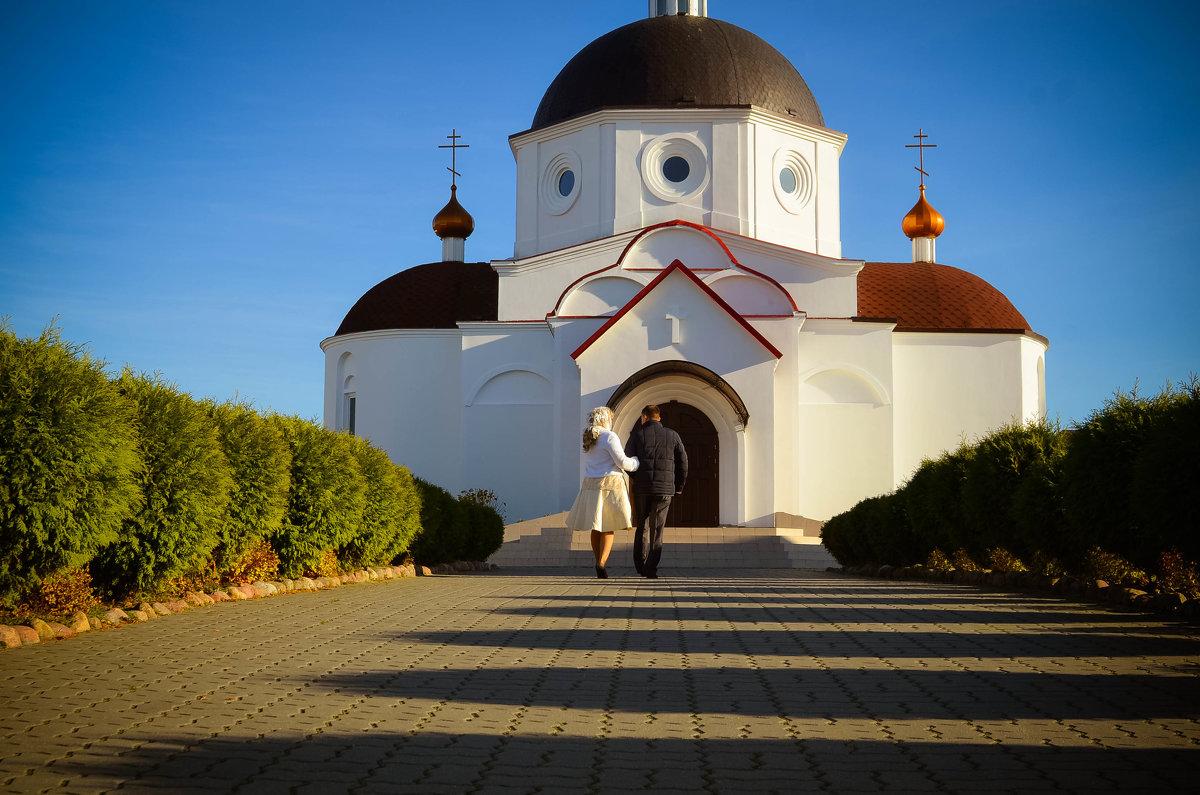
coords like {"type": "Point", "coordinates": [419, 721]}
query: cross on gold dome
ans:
{"type": "Point", "coordinates": [453, 146]}
{"type": "Point", "coordinates": [921, 146]}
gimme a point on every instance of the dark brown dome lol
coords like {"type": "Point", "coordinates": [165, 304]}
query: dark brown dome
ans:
{"type": "Point", "coordinates": [677, 62]}
{"type": "Point", "coordinates": [925, 296]}
{"type": "Point", "coordinates": [435, 295]}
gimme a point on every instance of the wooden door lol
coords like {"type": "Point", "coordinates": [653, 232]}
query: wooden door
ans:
{"type": "Point", "coordinates": [698, 506]}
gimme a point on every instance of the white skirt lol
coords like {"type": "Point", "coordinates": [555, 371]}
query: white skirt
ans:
{"type": "Point", "coordinates": [603, 505]}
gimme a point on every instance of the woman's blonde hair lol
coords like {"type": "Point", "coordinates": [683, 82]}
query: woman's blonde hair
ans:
{"type": "Point", "coordinates": [599, 420]}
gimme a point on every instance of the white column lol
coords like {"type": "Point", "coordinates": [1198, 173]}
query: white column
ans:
{"type": "Point", "coordinates": [923, 249]}
{"type": "Point", "coordinates": [669, 8]}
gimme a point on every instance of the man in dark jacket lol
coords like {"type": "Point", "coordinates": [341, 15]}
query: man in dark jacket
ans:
{"type": "Point", "coordinates": [660, 475]}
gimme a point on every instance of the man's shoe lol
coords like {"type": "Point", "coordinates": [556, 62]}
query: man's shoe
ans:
{"type": "Point", "coordinates": [651, 576]}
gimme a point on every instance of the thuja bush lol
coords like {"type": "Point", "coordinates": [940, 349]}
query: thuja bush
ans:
{"type": "Point", "coordinates": [260, 465]}
{"type": "Point", "coordinates": [68, 453]}
{"type": "Point", "coordinates": [1001, 464]}
{"type": "Point", "coordinates": [1100, 469]}
{"type": "Point", "coordinates": [1163, 492]}
{"type": "Point", "coordinates": [874, 531]}
{"type": "Point", "coordinates": [485, 529]}
{"type": "Point", "coordinates": [184, 480]}
{"type": "Point", "coordinates": [325, 497]}
{"type": "Point", "coordinates": [933, 499]}
{"type": "Point", "coordinates": [443, 535]}
{"type": "Point", "coordinates": [391, 514]}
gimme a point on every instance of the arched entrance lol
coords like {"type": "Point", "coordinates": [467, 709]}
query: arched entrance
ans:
{"type": "Point", "coordinates": [699, 505]}
{"type": "Point", "coordinates": [711, 419]}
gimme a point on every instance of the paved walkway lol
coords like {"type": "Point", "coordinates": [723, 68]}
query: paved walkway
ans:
{"type": "Point", "coordinates": [551, 681]}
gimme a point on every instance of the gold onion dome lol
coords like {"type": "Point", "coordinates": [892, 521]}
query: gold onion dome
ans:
{"type": "Point", "coordinates": [922, 220]}
{"type": "Point", "coordinates": [452, 220]}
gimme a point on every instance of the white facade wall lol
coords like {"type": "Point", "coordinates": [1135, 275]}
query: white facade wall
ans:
{"type": "Point", "coordinates": [952, 388]}
{"type": "Point", "coordinates": [508, 407]}
{"type": "Point", "coordinates": [844, 408]}
{"type": "Point", "coordinates": [736, 157]}
{"type": "Point", "coordinates": [406, 385]}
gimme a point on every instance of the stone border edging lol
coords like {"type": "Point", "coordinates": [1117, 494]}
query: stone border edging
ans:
{"type": "Point", "coordinates": [40, 630]}
{"type": "Point", "coordinates": [1172, 603]}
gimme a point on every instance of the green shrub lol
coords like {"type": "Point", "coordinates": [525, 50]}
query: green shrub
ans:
{"type": "Point", "coordinates": [391, 510]}
{"type": "Point", "coordinates": [933, 499]}
{"type": "Point", "coordinates": [260, 463]}
{"type": "Point", "coordinates": [1163, 491]}
{"type": "Point", "coordinates": [68, 453]}
{"type": "Point", "coordinates": [994, 476]}
{"type": "Point", "coordinates": [485, 528]}
{"type": "Point", "coordinates": [185, 485]}
{"type": "Point", "coordinates": [443, 534]}
{"type": "Point", "coordinates": [485, 497]}
{"type": "Point", "coordinates": [325, 498]}
{"type": "Point", "coordinates": [873, 531]}
{"type": "Point", "coordinates": [1039, 522]}
{"type": "Point", "coordinates": [1098, 472]}
{"type": "Point", "coordinates": [842, 537]}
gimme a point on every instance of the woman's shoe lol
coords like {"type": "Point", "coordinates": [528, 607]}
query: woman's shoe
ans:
{"type": "Point", "coordinates": [601, 572]}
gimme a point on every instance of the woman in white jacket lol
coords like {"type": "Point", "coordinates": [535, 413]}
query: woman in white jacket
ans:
{"type": "Point", "coordinates": [603, 502]}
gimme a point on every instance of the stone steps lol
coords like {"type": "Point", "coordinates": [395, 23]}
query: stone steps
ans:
{"type": "Point", "coordinates": [684, 548]}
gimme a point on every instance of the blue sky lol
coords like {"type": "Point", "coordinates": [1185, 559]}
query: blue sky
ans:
{"type": "Point", "coordinates": [203, 189]}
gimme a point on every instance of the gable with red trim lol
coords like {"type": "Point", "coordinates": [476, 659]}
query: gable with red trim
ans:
{"type": "Point", "coordinates": [698, 288]}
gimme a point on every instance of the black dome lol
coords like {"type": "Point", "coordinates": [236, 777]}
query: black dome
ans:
{"type": "Point", "coordinates": [674, 62]}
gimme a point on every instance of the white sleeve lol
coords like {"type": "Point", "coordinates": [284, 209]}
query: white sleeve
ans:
{"type": "Point", "coordinates": [618, 453]}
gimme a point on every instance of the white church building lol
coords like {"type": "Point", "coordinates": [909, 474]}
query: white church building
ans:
{"type": "Point", "coordinates": [678, 242]}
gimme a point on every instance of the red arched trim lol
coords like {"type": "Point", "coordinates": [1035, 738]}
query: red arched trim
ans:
{"type": "Point", "coordinates": [699, 228]}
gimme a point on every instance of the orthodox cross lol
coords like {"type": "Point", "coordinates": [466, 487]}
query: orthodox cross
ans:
{"type": "Point", "coordinates": [453, 146]}
{"type": "Point", "coordinates": [921, 146]}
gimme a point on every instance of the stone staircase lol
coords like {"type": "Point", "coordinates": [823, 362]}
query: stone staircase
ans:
{"type": "Point", "coordinates": [546, 542]}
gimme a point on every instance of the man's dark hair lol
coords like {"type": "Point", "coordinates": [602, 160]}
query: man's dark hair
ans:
{"type": "Point", "coordinates": [652, 412]}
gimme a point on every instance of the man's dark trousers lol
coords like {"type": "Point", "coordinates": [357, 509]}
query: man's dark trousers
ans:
{"type": "Point", "coordinates": [648, 541]}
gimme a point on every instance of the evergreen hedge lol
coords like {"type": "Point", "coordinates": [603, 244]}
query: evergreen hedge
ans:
{"type": "Point", "coordinates": [485, 530]}
{"type": "Point", "coordinates": [68, 451]}
{"type": "Point", "coordinates": [185, 483]}
{"type": "Point", "coordinates": [391, 514]}
{"type": "Point", "coordinates": [144, 485]}
{"type": "Point", "coordinates": [325, 499]}
{"type": "Point", "coordinates": [1163, 493]}
{"type": "Point", "coordinates": [1001, 462]}
{"type": "Point", "coordinates": [933, 498]}
{"type": "Point", "coordinates": [443, 534]}
{"type": "Point", "coordinates": [260, 463]}
{"type": "Point", "coordinates": [1121, 483]}
{"type": "Point", "coordinates": [1134, 439]}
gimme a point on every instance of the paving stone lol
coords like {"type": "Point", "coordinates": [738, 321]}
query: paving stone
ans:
{"type": "Point", "coordinates": [546, 676]}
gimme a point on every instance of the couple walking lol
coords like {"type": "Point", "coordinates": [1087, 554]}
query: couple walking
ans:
{"type": "Point", "coordinates": [656, 457]}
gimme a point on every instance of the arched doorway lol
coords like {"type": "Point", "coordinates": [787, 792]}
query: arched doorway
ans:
{"type": "Point", "coordinates": [699, 505]}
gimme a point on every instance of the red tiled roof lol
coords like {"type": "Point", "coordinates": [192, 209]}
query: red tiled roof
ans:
{"type": "Point", "coordinates": [925, 296]}
{"type": "Point", "coordinates": [434, 295]}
